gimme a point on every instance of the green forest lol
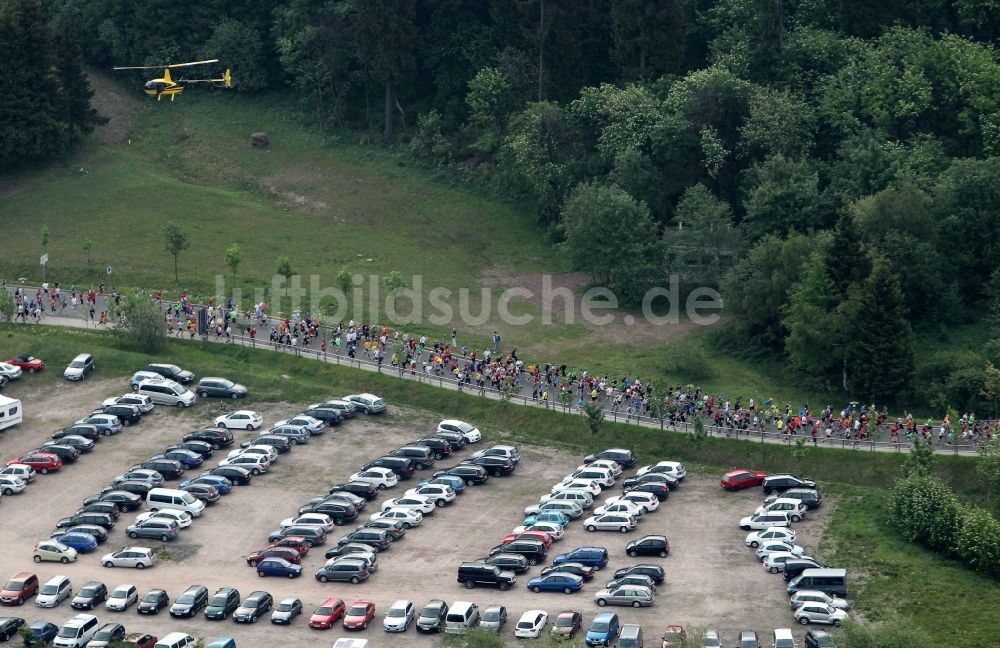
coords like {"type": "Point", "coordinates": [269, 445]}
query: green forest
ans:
{"type": "Point", "coordinates": [832, 167]}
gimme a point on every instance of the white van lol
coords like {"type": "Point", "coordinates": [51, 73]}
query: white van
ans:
{"type": "Point", "coordinates": [10, 412]}
{"type": "Point", "coordinates": [175, 640]}
{"type": "Point", "coordinates": [77, 632]}
{"type": "Point", "coordinates": [167, 392]}
{"type": "Point", "coordinates": [462, 615]}
{"type": "Point", "coordinates": [169, 498]}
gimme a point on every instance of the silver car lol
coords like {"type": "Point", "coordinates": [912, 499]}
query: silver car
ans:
{"type": "Point", "coordinates": [294, 433]}
{"type": "Point", "coordinates": [161, 528]}
{"type": "Point", "coordinates": [286, 611]}
{"type": "Point", "coordinates": [815, 596]}
{"type": "Point", "coordinates": [820, 613]}
{"type": "Point", "coordinates": [138, 557]}
{"type": "Point", "coordinates": [634, 595]}
{"type": "Point", "coordinates": [312, 425]}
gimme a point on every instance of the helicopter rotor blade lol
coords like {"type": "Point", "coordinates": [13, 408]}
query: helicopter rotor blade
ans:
{"type": "Point", "coordinates": [164, 67]}
{"type": "Point", "coordinates": [177, 65]}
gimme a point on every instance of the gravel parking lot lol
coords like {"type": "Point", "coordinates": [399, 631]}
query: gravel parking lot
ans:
{"type": "Point", "coordinates": [713, 580]}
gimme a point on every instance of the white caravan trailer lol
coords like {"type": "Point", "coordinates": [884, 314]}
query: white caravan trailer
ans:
{"type": "Point", "coordinates": [10, 412]}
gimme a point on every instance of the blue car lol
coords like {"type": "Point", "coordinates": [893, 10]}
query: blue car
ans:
{"type": "Point", "coordinates": [595, 557]}
{"type": "Point", "coordinates": [603, 629]}
{"type": "Point", "coordinates": [82, 542]}
{"type": "Point", "coordinates": [556, 582]}
{"type": "Point", "coordinates": [187, 458]}
{"type": "Point", "coordinates": [457, 483]}
{"type": "Point", "coordinates": [42, 632]}
{"type": "Point", "coordinates": [224, 485]}
{"type": "Point", "coordinates": [278, 567]}
{"type": "Point", "coordinates": [547, 516]}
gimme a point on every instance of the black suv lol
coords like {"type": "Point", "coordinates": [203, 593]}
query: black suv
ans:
{"type": "Point", "coordinates": [218, 438]}
{"type": "Point", "coordinates": [471, 574]}
{"type": "Point", "coordinates": [651, 545]}
{"type": "Point", "coordinates": [819, 639]}
{"type": "Point", "coordinates": [86, 431]}
{"type": "Point", "coordinates": [421, 456]}
{"type": "Point", "coordinates": [173, 372]}
{"type": "Point", "coordinates": [811, 498]}
{"type": "Point", "coordinates": [190, 602]}
{"type": "Point", "coordinates": [632, 482]}
{"type": "Point", "coordinates": [361, 489]}
{"type": "Point", "coordinates": [330, 415]}
{"type": "Point", "coordinates": [222, 603]}
{"type": "Point", "coordinates": [127, 414]}
{"type": "Point", "coordinates": [440, 447]}
{"type": "Point", "coordinates": [496, 466]}
{"type": "Point", "coordinates": [169, 468]}
{"type": "Point", "coordinates": [624, 457]}
{"type": "Point", "coordinates": [780, 483]}
{"type": "Point", "coordinates": [533, 550]}
{"type": "Point", "coordinates": [402, 466]}
{"type": "Point", "coordinates": [471, 473]}
{"type": "Point", "coordinates": [431, 618]}
{"type": "Point", "coordinates": [653, 571]}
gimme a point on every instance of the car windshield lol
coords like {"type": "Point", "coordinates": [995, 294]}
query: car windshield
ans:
{"type": "Point", "coordinates": [49, 589]}
{"type": "Point", "coordinates": [396, 613]}
{"type": "Point", "coordinates": [491, 615]}
{"type": "Point", "coordinates": [103, 635]}
{"type": "Point", "coordinates": [185, 599]}
{"type": "Point", "coordinates": [599, 626]}
{"type": "Point", "coordinates": [68, 632]}
{"type": "Point", "coordinates": [151, 597]}
{"type": "Point", "coordinates": [251, 603]}
{"type": "Point", "coordinates": [76, 364]}
{"type": "Point", "coordinates": [711, 642]}
{"type": "Point", "coordinates": [284, 607]}
{"type": "Point", "coordinates": [357, 610]}
{"type": "Point", "coordinates": [218, 601]}
{"type": "Point", "coordinates": [14, 586]}
{"type": "Point", "coordinates": [564, 621]}
{"type": "Point", "coordinates": [119, 594]}
{"type": "Point", "coordinates": [325, 609]}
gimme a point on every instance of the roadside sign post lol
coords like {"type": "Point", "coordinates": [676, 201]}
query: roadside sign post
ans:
{"type": "Point", "coordinates": [44, 261]}
{"type": "Point", "coordinates": [109, 277]}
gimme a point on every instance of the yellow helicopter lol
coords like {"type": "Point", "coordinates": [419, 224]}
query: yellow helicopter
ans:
{"type": "Point", "coordinates": [166, 85]}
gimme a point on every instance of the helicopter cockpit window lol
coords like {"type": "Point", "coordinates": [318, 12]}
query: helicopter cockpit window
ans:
{"type": "Point", "coordinates": [154, 85]}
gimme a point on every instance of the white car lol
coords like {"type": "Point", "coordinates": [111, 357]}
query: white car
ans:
{"type": "Point", "coordinates": [54, 592]}
{"type": "Point", "coordinates": [772, 546]}
{"type": "Point", "coordinates": [572, 509]}
{"type": "Point", "coordinates": [54, 551]}
{"type": "Point", "coordinates": [583, 498]}
{"type": "Point", "coordinates": [256, 464]}
{"type": "Point", "coordinates": [610, 522]}
{"type": "Point", "coordinates": [408, 516]}
{"type": "Point", "coordinates": [416, 502]}
{"type": "Point", "coordinates": [755, 538]}
{"type": "Point", "coordinates": [503, 451]}
{"type": "Point", "coordinates": [531, 624]}
{"type": "Point", "coordinates": [398, 617]}
{"type": "Point", "coordinates": [609, 464]}
{"type": "Point", "coordinates": [138, 557]}
{"type": "Point", "coordinates": [600, 476]}
{"type": "Point", "coordinates": [182, 518]}
{"type": "Point", "coordinates": [11, 484]}
{"type": "Point", "coordinates": [367, 557]}
{"type": "Point", "coordinates": [621, 506]}
{"type": "Point", "coordinates": [673, 468]}
{"type": "Point", "coordinates": [647, 501]}
{"type": "Point", "coordinates": [802, 597]}
{"type": "Point", "coordinates": [577, 484]}
{"type": "Point", "coordinates": [12, 372]}
{"type": "Point", "coordinates": [380, 477]}
{"type": "Point", "coordinates": [820, 613]}
{"type": "Point", "coordinates": [24, 471]}
{"type": "Point", "coordinates": [313, 425]}
{"type": "Point", "coordinates": [764, 521]}
{"type": "Point", "coordinates": [467, 430]}
{"type": "Point", "coordinates": [795, 508]}
{"type": "Point", "coordinates": [319, 520]}
{"type": "Point", "coordinates": [141, 401]}
{"type": "Point", "coordinates": [122, 597]}
{"type": "Point", "coordinates": [269, 452]}
{"type": "Point", "coordinates": [556, 531]}
{"type": "Point", "coordinates": [441, 493]}
{"type": "Point", "coordinates": [775, 561]}
{"type": "Point", "coordinates": [241, 420]}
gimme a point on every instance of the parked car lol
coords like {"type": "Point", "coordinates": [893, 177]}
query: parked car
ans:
{"type": "Point", "coordinates": [80, 367]}
{"type": "Point", "coordinates": [138, 557]}
{"type": "Point", "coordinates": [295, 435]}
{"type": "Point", "coordinates": [172, 372]}
{"type": "Point", "coordinates": [755, 538]}
{"type": "Point", "coordinates": [312, 425]}
{"type": "Point", "coordinates": [651, 478]}
{"type": "Point", "coordinates": [379, 477]}
{"type": "Point", "coordinates": [596, 557]}
{"type": "Point", "coordinates": [765, 521]}
{"type": "Point", "coordinates": [108, 424]}
{"type": "Point", "coordinates": [40, 633]}
{"type": "Point", "coordinates": [808, 496]}
{"type": "Point", "coordinates": [240, 419]}
{"type": "Point", "coordinates": [658, 489]}
{"type": "Point", "coordinates": [407, 516]}
{"type": "Point", "coordinates": [153, 601]}
{"type": "Point", "coordinates": [56, 590]}
{"type": "Point", "coordinates": [796, 509]}
{"type": "Point", "coordinates": [221, 484]}
{"type": "Point", "coordinates": [187, 458]}
{"type": "Point", "coordinates": [556, 582]}
{"type": "Point", "coordinates": [780, 483]}
{"type": "Point", "coordinates": [92, 593]}
{"type": "Point", "coordinates": [651, 545]}
{"type": "Point", "coordinates": [623, 507]}
{"type": "Point", "coordinates": [220, 387]}
{"type": "Point", "coordinates": [622, 522]}
{"type": "Point", "coordinates": [403, 467]}
{"type": "Point", "coordinates": [127, 414]}
{"type": "Point", "coordinates": [253, 607]}
{"type": "Point", "coordinates": [586, 572]}
{"type": "Point", "coordinates": [81, 542]}
{"type": "Point", "coordinates": [508, 562]}
{"type": "Point", "coordinates": [494, 618]}
{"type": "Point", "coordinates": [141, 401]}
{"type": "Point", "coordinates": [358, 615]}
{"type": "Point", "coordinates": [472, 474]}
{"type": "Point", "coordinates": [814, 612]}
{"type": "Point", "coordinates": [12, 484]}
{"type": "Point", "coordinates": [288, 553]}
{"type": "Point", "coordinates": [329, 415]}
{"type": "Point", "coordinates": [631, 595]}
{"type": "Point", "coordinates": [603, 630]}
{"type": "Point", "coordinates": [10, 371]}
{"type": "Point", "coordinates": [67, 454]}
{"type": "Point", "coordinates": [742, 478]}
{"type": "Point", "coordinates": [99, 533]}
{"type": "Point", "coordinates": [236, 475]}
{"type": "Point", "coordinates": [567, 623]}
{"type": "Point", "coordinates": [85, 430]}
{"type": "Point", "coordinates": [398, 617]}
{"type": "Point", "coordinates": [313, 536]}
{"type": "Point", "coordinates": [122, 597]}
{"type": "Point", "coordinates": [363, 489]}
{"type": "Point", "coordinates": [440, 448]}
{"type": "Point", "coordinates": [802, 597]}
{"type": "Point", "coordinates": [632, 579]}
{"type": "Point", "coordinates": [346, 409]}
{"type": "Point", "coordinates": [328, 612]}
{"type": "Point", "coordinates": [533, 550]}
{"type": "Point", "coordinates": [469, 432]}
{"type": "Point", "coordinates": [432, 616]}
{"type": "Point", "coordinates": [531, 624]}
{"type": "Point", "coordinates": [9, 626]}
{"type": "Point", "coordinates": [286, 610]}
{"type": "Point", "coordinates": [205, 492]}
{"type": "Point", "coordinates": [421, 503]}
{"type": "Point", "coordinates": [496, 466]}
{"type": "Point", "coordinates": [673, 468]}
{"type": "Point", "coordinates": [748, 639]}
{"type": "Point", "coordinates": [43, 462]}
{"type": "Point", "coordinates": [554, 531]}
{"type": "Point", "coordinates": [777, 546]}
{"type": "Point", "coordinates": [623, 457]}
{"type": "Point", "coordinates": [169, 468]}
{"type": "Point", "coordinates": [28, 363]}
{"type": "Point", "coordinates": [107, 635]}
{"type": "Point", "coordinates": [476, 573]}
{"type": "Point", "coordinates": [819, 639]}
{"type": "Point", "coordinates": [278, 567]}
{"type": "Point", "coordinates": [653, 571]}
{"type": "Point", "coordinates": [81, 444]}
{"type": "Point", "coordinates": [21, 587]}
{"type": "Point", "coordinates": [219, 438]}
{"type": "Point", "coordinates": [51, 550]}
{"type": "Point", "coordinates": [367, 403]}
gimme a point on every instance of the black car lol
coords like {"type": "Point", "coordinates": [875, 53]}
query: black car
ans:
{"type": "Point", "coordinates": [169, 468]}
{"type": "Point", "coordinates": [780, 483]}
{"type": "Point", "coordinates": [328, 415]}
{"type": "Point", "coordinates": [533, 550]}
{"type": "Point", "coordinates": [125, 500]}
{"type": "Point", "coordinates": [221, 388]}
{"type": "Point", "coordinates": [173, 372]}
{"type": "Point", "coordinates": [361, 489]}
{"type": "Point", "coordinates": [660, 489]}
{"type": "Point", "coordinates": [431, 617]}
{"type": "Point", "coordinates": [811, 498]}
{"type": "Point", "coordinates": [190, 602]}
{"type": "Point", "coordinates": [86, 431]}
{"type": "Point", "coordinates": [83, 444]}
{"type": "Point", "coordinates": [509, 562]}
{"type": "Point", "coordinates": [153, 601]}
{"type": "Point", "coordinates": [454, 439]}
{"type": "Point", "coordinates": [377, 539]}
{"type": "Point", "coordinates": [651, 545]}
{"type": "Point", "coordinates": [796, 566]}
{"type": "Point", "coordinates": [471, 473]}
{"type": "Point", "coordinates": [496, 466]}
{"type": "Point", "coordinates": [586, 572]}
{"type": "Point", "coordinates": [653, 571]}
{"type": "Point", "coordinates": [68, 454]}
{"type": "Point", "coordinates": [313, 536]}
{"type": "Point", "coordinates": [624, 457]}
{"type": "Point", "coordinates": [97, 519]}
{"type": "Point", "coordinates": [396, 528]}
{"type": "Point", "coordinates": [9, 627]}
{"type": "Point", "coordinates": [107, 635]}
{"type": "Point", "coordinates": [201, 447]}
{"type": "Point", "coordinates": [100, 533]}
{"type": "Point", "coordinates": [205, 492]}
{"type": "Point", "coordinates": [90, 595]}
{"type": "Point", "coordinates": [347, 550]}
{"type": "Point", "coordinates": [440, 447]}
{"type": "Point", "coordinates": [339, 512]}
{"type": "Point", "coordinates": [280, 443]}
{"type": "Point", "coordinates": [223, 603]}
{"type": "Point", "coordinates": [236, 474]}
{"type": "Point", "coordinates": [472, 574]}
{"type": "Point", "coordinates": [819, 639]}
{"type": "Point", "coordinates": [101, 507]}
{"type": "Point", "coordinates": [138, 486]}
{"type": "Point", "coordinates": [663, 478]}
{"type": "Point", "coordinates": [403, 467]}
{"type": "Point", "coordinates": [215, 437]}
{"type": "Point", "coordinates": [127, 414]}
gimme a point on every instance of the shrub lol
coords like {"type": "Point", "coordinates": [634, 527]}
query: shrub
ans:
{"type": "Point", "coordinates": [883, 635]}
{"type": "Point", "coordinates": [687, 362]}
{"type": "Point", "coordinates": [977, 540]}
{"type": "Point", "coordinates": [925, 511]}
{"type": "Point", "coordinates": [141, 322]}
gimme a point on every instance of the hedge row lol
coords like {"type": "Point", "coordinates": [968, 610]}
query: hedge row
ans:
{"type": "Point", "coordinates": [927, 512]}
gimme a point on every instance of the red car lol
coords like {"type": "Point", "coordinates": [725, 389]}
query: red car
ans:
{"type": "Point", "coordinates": [675, 636]}
{"type": "Point", "coordinates": [139, 640]}
{"type": "Point", "coordinates": [742, 478]}
{"type": "Point", "coordinates": [288, 553]}
{"type": "Point", "coordinates": [28, 363]}
{"type": "Point", "coordinates": [298, 543]}
{"type": "Point", "coordinates": [43, 462]}
{"type": "Point", "coordinates": [358, 615]}
{"type": "Point", "coordinates": [323, 617]}
{"type": "Point", "coordinates": [529, 535]}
